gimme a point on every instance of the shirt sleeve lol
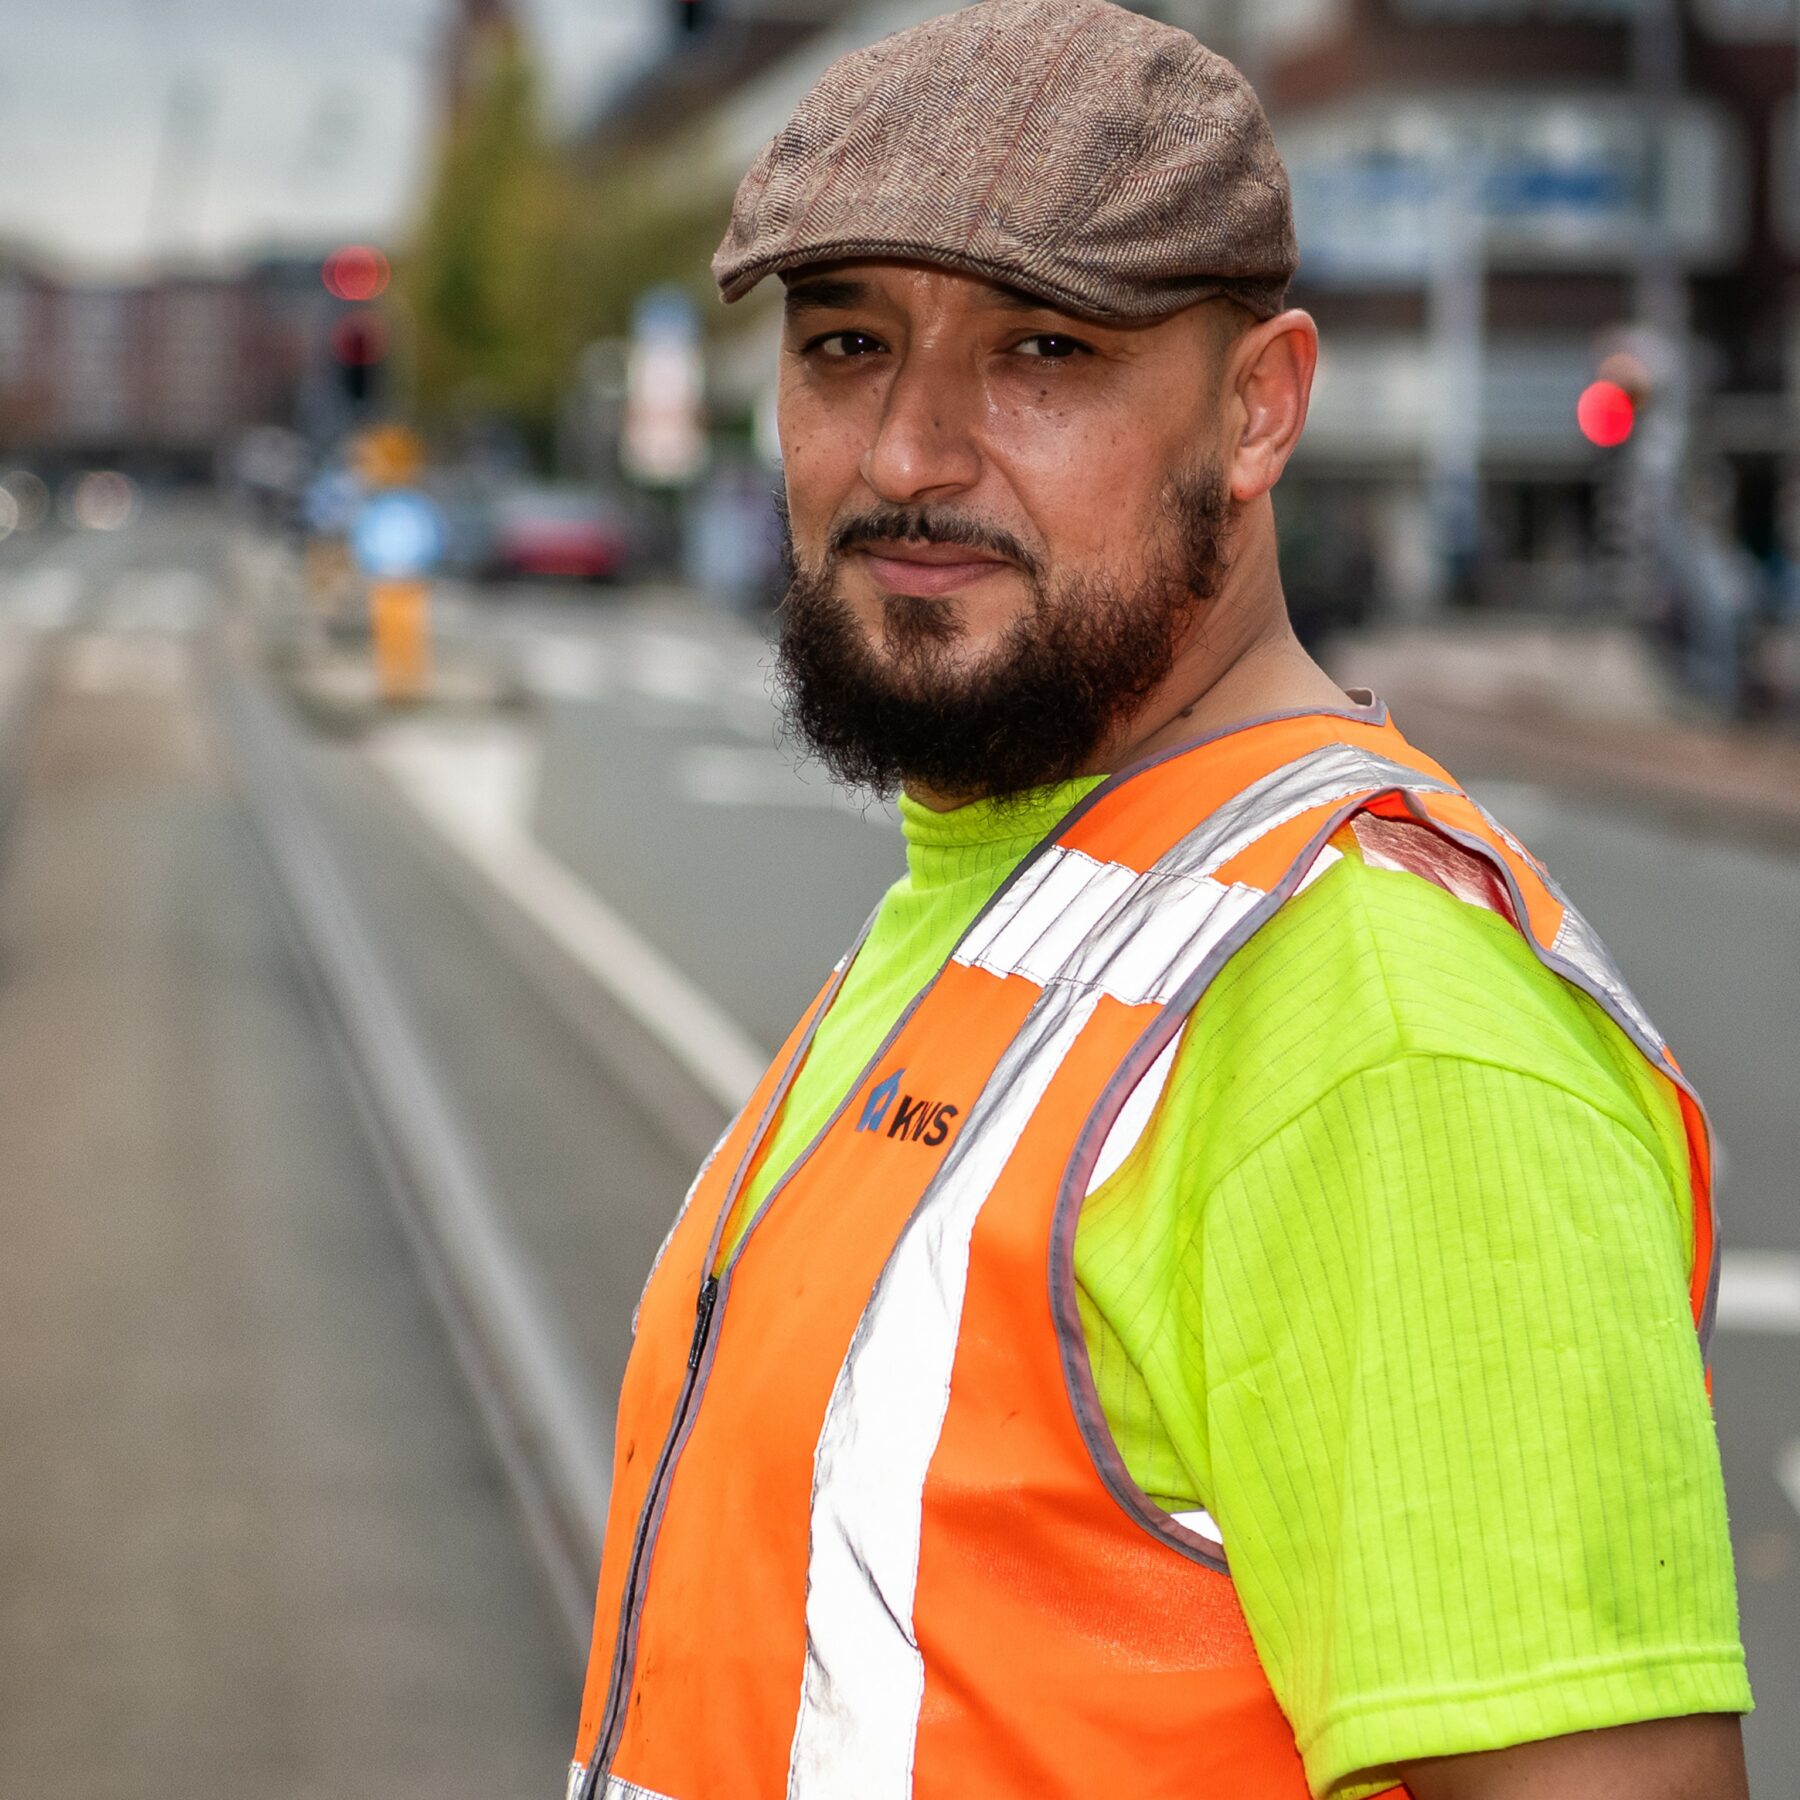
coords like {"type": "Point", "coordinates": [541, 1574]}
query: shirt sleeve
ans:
{"type": "Point", "coordinates": [1459, 1442]}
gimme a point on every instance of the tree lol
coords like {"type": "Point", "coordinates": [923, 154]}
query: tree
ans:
{"type": "Point", "coordinates": [484, 280]}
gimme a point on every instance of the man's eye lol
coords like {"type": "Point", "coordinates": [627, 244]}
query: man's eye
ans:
{"type": "Point", "coordinates": [845, 343]}
{"type": "Point", "coordinates": [1051, 346]}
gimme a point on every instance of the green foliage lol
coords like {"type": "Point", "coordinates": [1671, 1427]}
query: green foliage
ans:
{"type": "Point", "coordinates": [526, 252]}
{"type": "Point", "coordinates": [482, 277]}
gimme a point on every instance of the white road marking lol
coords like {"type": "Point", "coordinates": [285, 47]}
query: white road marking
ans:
{"type": "Point", "coordinates": [43, 598]}
{"type": "Point", "coordinates": [566, 667]}
{"type": "Point", "coordinates": [169, 602]}
{"type": "Point", "coordinates": [1759, 1290]}
{"type": "Point", "coordinates": [1787, 1472]}
{"type": "Point", "coordinates": [476, 786]}
{"type": "Point", "coordinates": [99, 662]}
{"type": "Point", "coordinates": [667, 666]}
{"type": "Point", "coordinates": [725, 775]}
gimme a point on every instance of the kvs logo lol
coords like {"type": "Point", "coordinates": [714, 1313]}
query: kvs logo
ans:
{"type": "Point", "coordinates": [914, 1121]}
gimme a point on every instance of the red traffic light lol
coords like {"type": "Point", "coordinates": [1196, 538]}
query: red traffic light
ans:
{"type": "Point", "coordinates": [359, 339]}
{"type": "Point", "coordinates": [356, 272]}
{"type": "Point", "coordinates": [1606, 413]}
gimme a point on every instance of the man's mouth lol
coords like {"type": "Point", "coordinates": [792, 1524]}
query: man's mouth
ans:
{"type": "Point", "coordinates": [902, 566]}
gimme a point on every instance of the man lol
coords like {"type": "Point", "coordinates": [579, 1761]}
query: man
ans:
{"type": "Point", "coordinates": [1205, 1303]}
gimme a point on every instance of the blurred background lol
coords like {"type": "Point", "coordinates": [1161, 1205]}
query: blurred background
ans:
{"type": "Point", "coordinates": [404, 873]}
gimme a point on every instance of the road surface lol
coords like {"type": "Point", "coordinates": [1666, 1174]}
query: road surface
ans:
{"type": "Point", "coordinates": [251, 1533]}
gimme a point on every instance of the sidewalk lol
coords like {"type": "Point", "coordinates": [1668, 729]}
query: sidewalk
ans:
{"type": "Point", "coordinates": [1585, 711]}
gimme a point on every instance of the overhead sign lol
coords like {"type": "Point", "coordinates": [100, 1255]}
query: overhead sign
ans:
{"type": "Point", "coordinates": [398, 536]}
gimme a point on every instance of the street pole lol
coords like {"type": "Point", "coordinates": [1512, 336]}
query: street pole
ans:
{"type": "Point", "coordinates": [1789, 239]}
{"type": "Point", "coordinates": [1658, 449]}
{"type": "Point", "coordinates": [1456, 322]}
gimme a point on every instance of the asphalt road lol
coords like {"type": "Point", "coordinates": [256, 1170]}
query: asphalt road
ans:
{"type": "Point", "coordinates": [251, 1538]}
{"type": "Point", "coordinates": [247, 1517]}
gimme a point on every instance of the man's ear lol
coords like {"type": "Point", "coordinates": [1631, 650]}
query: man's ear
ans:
{"type": "Point", "coordinates": [1268, 383]}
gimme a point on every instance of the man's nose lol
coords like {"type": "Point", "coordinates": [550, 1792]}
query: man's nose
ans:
{"type": "Point", "coordinates": [924, 446]}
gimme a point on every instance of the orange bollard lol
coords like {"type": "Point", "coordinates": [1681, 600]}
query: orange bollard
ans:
{"type": "Point", "coordinates": [399, 614]}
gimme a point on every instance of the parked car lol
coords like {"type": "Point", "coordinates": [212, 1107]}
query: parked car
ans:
{"type": "Point", "coordinates": [562, 531]}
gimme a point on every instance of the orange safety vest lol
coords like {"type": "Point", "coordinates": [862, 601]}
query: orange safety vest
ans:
{"type": "Point", "coordinates": [869, 1537]}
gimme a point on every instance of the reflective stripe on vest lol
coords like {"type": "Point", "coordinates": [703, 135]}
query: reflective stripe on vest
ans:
{"type": "Point", "coordinates": [870, 1538]}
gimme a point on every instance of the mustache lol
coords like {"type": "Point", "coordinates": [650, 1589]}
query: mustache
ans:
{"type": "Point", "coordinates": [930, 525]}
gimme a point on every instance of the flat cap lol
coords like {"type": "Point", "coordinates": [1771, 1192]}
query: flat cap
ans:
{"type": "Point", "coordinates": [1111, 164]}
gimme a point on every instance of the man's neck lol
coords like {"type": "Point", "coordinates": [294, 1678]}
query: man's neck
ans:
{"type": "Point", "coordinates": [1273, 674]}
{"type": "Point", "coordinates": [1241, 661]}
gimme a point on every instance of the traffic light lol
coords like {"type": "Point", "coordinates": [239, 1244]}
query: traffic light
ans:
{"type": "Point", "coordinates": [357, 272]}
{"type": "Point", "coordinates": [359, 343]}
{"type": "Point", "coordinates": [1606, 413]}
{"type": "Point", "coordinates": [1609, 405]}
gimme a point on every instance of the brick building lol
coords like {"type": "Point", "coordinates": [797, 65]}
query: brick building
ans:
{"type": "Point", "coordinates": [164, 370]}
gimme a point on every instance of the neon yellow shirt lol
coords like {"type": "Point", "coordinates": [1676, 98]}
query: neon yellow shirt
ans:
{"type": "Point", "coordinates": [1395, 1285]}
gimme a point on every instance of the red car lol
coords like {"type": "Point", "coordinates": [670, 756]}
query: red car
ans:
{"type": "Point", "coordinates": [558, 531]}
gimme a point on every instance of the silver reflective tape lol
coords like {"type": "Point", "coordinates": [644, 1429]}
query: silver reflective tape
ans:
{"type": "Point", "coordinates": [1137, 937]}
{"type": "Point", "coordinates": [629, 1790]}
{"type": "Point", "coordinates": [1336, 772]}
{"type": "Point", "coordinates": [1579, 945]}
{"type": "Point", "coordinates": [1157, 936]}
{"type": "Point", "coordinates": [1134, 1116]}
{"type": "Point", "coordinates": [1059, 900]}
{"type": "Point", "coordinates": [1202, 1524]}
{"type": "Point", "coordinates": [865, 1678]}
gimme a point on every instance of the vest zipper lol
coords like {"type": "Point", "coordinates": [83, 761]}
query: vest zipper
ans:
{"type": "Point", "coordinates": [605, 1745]}
{"type": "Point", "coordinates": [612, 1723]}
{"type": "Point", "coordinates": [703, 1312]}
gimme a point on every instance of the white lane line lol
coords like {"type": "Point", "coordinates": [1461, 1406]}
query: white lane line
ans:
{"type": "Point", "coordinates": [169, 602]}
{"type": "Point", "coordinates": [725, 775]}
{"type": "Point", "coordinates": [1759, 1290]}
{"type": "Point", "coordinates": [665, 666]}
{"type": "Point", "coordinates": [97, 662]}
{"type": "Point", "coordinates": [44, 598]}
{"type": "Point", "coordinates": [476, 786]}
{"type": "Point", "coordinates": [1787, 1472]}
{"type": "Point", "coordinates": [566, 667]}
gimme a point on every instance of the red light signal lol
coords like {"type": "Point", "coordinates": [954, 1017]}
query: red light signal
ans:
{"type": "Point", "coordinates": [357, 272]}
{"type": "Point", "coordinates": [1606, 413]}
{"type": "Point", "coordinates": [359, 340]}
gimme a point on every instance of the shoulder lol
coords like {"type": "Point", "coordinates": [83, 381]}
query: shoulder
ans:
{"type": "Point", "coordinates": [1396, 951]}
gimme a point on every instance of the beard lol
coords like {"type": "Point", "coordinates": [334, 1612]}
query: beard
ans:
{"type": "Point", "coordinates": [1067, 671]}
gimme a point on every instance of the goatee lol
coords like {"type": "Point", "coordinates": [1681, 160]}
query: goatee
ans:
{"type": "Point", "coordinates": [1069, 669]}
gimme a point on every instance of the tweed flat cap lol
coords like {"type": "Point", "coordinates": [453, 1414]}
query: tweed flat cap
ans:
{"type": "Point", "coordinates": [1111, 164]}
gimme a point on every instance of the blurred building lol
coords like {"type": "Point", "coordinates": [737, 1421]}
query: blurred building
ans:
{"type": "Point", "coordinates": [164, 370]}
{"type": "Point", "coordinates": [1493, 195]}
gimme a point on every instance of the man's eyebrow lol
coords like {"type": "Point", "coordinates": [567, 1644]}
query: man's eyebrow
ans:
{"type": "Point", "coordinates": [841, 293]}
{"type": "Point", "coordinates": [825, 293]}
{"type": "Point", "coordinates": [1012, 299]}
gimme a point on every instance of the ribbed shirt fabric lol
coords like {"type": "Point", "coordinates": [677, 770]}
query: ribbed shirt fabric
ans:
{"type": "Point", "coordinates": [1395, 1285]}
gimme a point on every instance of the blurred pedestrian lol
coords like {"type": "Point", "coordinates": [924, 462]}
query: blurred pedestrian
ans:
{"type": "Point", "coordinates": [1205, 1303]}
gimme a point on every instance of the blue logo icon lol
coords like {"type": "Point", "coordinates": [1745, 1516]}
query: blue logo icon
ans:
{"type": "Point", "coordinates": [879, 1100]}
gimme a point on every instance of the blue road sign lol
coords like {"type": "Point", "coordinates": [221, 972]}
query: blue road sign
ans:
{"type": "Point", "coordinates": [398, 536]}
